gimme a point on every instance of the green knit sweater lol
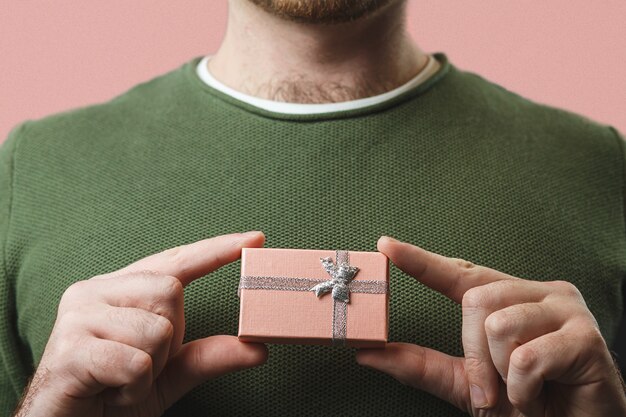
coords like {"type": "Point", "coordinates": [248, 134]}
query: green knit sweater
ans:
{"type": "Point", "coordinates": [458, 165]}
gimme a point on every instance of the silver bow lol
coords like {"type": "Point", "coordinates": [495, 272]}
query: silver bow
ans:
{"type": "Point", "coordinates": [341, 275]}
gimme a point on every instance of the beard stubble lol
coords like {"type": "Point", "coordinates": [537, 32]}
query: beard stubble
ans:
{"type": "Point", "coordinates": [320, 11]}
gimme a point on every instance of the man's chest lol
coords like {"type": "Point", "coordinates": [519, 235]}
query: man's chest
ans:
{"type": "Point", "coordinates": [523, 222]}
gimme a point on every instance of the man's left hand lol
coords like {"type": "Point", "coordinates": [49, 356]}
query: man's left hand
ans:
{"type": "Point", "coordinates": [531, 348]}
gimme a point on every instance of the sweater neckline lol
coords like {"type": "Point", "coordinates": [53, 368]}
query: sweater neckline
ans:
{"type": "Point", "coordinates": [191, 71]}
{"type": "Point", "coordinates": [308, 108]}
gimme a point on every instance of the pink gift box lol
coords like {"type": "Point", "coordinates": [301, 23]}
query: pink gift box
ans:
{"type": "Point", "coordinates": [279, 304]}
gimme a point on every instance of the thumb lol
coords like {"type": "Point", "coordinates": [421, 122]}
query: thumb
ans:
{"type": "Point", "coordinates": [422, 368]}
{"type": "Point", "coordinates": [204, 359]}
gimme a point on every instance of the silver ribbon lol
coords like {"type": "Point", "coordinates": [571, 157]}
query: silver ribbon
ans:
{"type": "Point", "coordinates": [340, 284]}
{"type": "Point", "coordinates": [341, 274]}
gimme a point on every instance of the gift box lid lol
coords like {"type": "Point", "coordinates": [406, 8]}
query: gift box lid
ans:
{"type": "Point", "coordinates": [281, 307]}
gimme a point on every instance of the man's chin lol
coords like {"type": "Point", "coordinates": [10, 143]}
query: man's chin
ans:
{"type": "Point", "coordinates": [321, 11]}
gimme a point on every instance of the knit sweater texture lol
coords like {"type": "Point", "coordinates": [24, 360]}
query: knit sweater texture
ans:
{"type": "Point", "coordinates": [458, 165]}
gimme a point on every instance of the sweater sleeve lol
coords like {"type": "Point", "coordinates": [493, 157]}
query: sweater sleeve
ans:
{"type": "Point", "coordinates": [13, 375]}
{"type": "Point", "coordinates": [621, 139]}
{"type": "Point", "coordinates": [621, 339]}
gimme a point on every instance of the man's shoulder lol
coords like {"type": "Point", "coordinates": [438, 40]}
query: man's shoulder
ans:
{"type": "Point", "coordinates": [139, 106]}
{"type": "Point", "coordinates": [498, 106]}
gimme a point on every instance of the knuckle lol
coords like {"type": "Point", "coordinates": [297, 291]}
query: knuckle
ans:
{"type": "Point", "coordinates": [458, 378]}
{"type": "Point", "coordinates": [524, 359]}
{"type": "Point", "coordinates": [416, 372]}
{"type": "Point", "coordinates": [199, 356]}
{"type": "Point", "coordinates": [498, 325]}
{"type": "Point", "coordinates": [172, 252]}
{"type": "Point", "coordinates": [135, 320]}
{"type": "Point", "coordinates": [148, 273]}
{"type": "Point", "coordinates": [140, 365]}
{"type": "Point", "coordinates": [103, 358]}
{"type": "Point", "coordinates": [71, 320]}
{"type": "Point", "coordinates": [115, 315]}
{"type": "Point", "coordinates": [172, 288]}
{"type": "Point", "coordinates": [592, 338]}
{"type": "Point", "coordinates": [474, 298]}
{"type": "Point", "coordinates": [474, 363]}
{"type": "Point", "coordinates": [162, 329]}
{"type": "Point", "coordinates": [218, 256]}
{"type": "Point", "coordinates": [464, 265]}
{"type": "Point", "coordinates": [567, 288]}
{"type": "Point", "coordinates": [142, 274]}
{"type": "Point", "coordinates": [175, 257]}
{"type": "Point", "coordinates": [465, 270]}
{"type": "Point", "coordinates": [65, 347]}
{"type": "Point", "coordinates": [168, 297]}
{"type": "Point", "coordinates": [74, 292]}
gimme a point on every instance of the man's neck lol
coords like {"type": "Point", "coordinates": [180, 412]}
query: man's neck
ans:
{"type": "Point", "coordinates": [277, 59]}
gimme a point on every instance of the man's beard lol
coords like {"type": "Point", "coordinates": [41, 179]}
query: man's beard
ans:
{"type": "Point", "coordinates": [321, 11]}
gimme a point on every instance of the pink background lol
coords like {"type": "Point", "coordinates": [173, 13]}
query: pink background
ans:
{"type": "Point", "coordinates": [65, 54]}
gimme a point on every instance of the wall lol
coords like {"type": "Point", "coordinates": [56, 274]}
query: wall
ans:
{"type": "Point", "coordinates": [64, 54]}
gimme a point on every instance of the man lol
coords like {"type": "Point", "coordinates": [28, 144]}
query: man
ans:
{"type": "Point", "coordinates": [316, 125]}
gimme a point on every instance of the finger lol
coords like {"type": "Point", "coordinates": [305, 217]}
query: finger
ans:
{"type": "Point", "coordinates": [422, 368]}
{"type": "Point", "coordinates": [511, 327]}
{"type": "Point", "coordinates": [565, 356]}
{"type": "Point", "coordinates": [134, 327]}
{"type": "Point", "coordinates": [194, 260]}
{"type": "Point", "coordinates": [155, 293]}
{"type": "Point", "coordinates": [478, 304]}
{"type": "Point", "coordinates": [449, 276]}
{"type": "Point", "coordinates": [103, 364]}
{"type": "Point", "coordinates": [204, 359]}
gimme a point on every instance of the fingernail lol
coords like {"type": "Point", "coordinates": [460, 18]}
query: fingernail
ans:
{"type": "Point", "coordinates": [391, 239]}
{"type": "Point", "coordinates": [479, 400]}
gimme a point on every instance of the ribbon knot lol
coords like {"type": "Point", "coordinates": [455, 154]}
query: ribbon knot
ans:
{"type": "Point", "coordinates": [341, 274]}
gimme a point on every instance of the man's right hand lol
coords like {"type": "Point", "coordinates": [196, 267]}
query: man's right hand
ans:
{"type": "Point", "coordinates": [116, 347]}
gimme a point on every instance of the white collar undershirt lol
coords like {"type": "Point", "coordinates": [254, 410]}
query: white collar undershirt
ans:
{"type": "Point", "coordinates": [202, 71]}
